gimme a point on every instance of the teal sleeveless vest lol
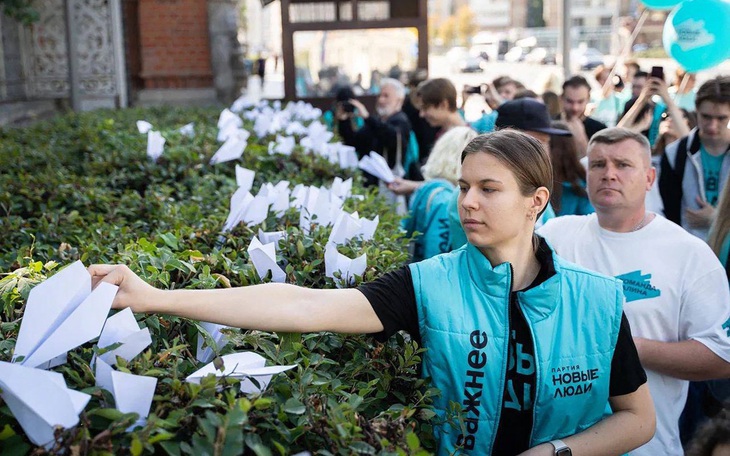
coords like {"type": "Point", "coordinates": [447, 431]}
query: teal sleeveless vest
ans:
{"type": "Point", "coordinates": [463, 306]}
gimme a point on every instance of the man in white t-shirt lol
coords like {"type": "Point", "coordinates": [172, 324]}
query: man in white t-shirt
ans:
{"type": "Point", "coordinates": [677, 296]}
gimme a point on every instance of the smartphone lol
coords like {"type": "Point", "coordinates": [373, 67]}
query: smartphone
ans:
{"type": "Point", "coordinates": [657, 72]}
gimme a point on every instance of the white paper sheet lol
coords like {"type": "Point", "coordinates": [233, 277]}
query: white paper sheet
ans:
{"type": "Point", "coordinates": [143, 126]}
{"type": "Point", "coordinates": [263, 257]}
{"type": "Point", "coordinates": [376, 165]}
{"type": "Point", "coordinates": [123, 327]}
{"type": "Point", "coordinates": [40, 400]}
{"type": "Point", "coordinates": [243, 366]}
{"type": "Point", "coordinates": [155, 144]}
{"type": "Point", "coordinates": [346, 227]}
{"type": "Point", "coordinates": [348, 268]}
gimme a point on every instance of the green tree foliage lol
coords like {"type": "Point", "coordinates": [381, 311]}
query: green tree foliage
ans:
{"type": "Point", "coordinates": [20, 10]}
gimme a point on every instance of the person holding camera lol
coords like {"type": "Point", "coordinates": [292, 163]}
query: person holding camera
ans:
{"type": "Point", "coordinates": [386, 133]}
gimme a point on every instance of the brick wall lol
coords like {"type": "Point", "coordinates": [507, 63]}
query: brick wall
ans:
{"type": "Point", "coordinates": [174, 44]}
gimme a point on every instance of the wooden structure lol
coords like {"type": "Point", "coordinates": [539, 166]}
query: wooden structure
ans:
{"type": "Point", "coordinates": [327, 15]}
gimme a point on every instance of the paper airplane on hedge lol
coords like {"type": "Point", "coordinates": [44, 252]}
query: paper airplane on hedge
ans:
{"type": "Point", "coordinates": [40, 400]}
{"type": "Point", "coordinates": [244, 177]}
{"type": "Point", "coordinates": [132, 393]}
{"type": "Point", "coordinates": [348, 268]}
{"type": "Point", "coordinates": [348, 226]}
{"type": "Point", "coordinates": [246, 208]}
{"type": "Point", "coordinates": [276, 195]}
{"type": "Point", "coordinates": [284, 145]}
{"type": "Point", "coordinates": [347, 157]}
{"type": "Point", "coordinates": [228, 118]}
{"type": "Point", "coordinates": [271, 236]}
{"type": "Point", "coordinates": [61, 314]}
{"type": "Point", "coordinates": [155, 144]}
{"type": "Point", "coordinates": [341, 188]}
{"type": "Point", "coordinates": [188, 130]}
{"type": "Point", "coordinates": [246, 366]}
{"type": "Point", "coordinates": [295, 128]}
{"type": "Point", "coordinates": [241, 103]}
{"type": "Point", "coordinates": [232, 149]}
{"type": "Point", "coordinates": [206, 355]}
{"type": "Point", "coordinates": [376, 165]}
{"type": "Point", "coordinates": [143, 126]}
{"type": "Point", "coordinates": [123, 328]}
{"type": "Point", "coordinates": [320, 207]}
{"type": "Point", "coordinates": [263, 257]}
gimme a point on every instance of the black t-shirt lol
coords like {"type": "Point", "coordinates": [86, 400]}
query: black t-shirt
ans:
{"type": "Point", "coordinates": [394, 300]}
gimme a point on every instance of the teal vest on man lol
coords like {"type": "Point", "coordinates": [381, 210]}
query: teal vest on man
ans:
{"type": "Point", "coordinates": [574, 317]}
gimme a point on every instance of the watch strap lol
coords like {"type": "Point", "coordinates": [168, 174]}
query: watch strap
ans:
{"type": "Point", "coordinates": [561, 449]}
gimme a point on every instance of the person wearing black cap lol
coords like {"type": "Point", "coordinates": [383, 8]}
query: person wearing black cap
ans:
{"type": "Point", "coordinates": [530, 116]}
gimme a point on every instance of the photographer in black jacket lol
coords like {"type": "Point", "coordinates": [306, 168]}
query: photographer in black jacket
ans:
{"type": "Point", "coordinates": [381, 133]}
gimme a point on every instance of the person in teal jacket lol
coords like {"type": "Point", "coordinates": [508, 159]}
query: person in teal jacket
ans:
{"type": "Point", "coordinates": [569, 196]}
{"type": "Point", "coordinates": [428, 212]}
{"type": "Point", "coordinates": [527, 350]}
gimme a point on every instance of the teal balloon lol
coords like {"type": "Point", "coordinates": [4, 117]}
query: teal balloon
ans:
{"type": "Point", "coordinates": [697, 34]}
{"type": "Point", "coordinates": [661, 4]}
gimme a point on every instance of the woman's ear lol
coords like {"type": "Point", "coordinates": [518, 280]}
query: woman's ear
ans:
{"type": "Point", "coordinates": [540, 199]}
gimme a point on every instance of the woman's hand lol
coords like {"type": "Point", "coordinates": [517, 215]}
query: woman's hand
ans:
{"type": "Point", "coordinates": [402, 186]}
{"type": "Point", "coordinates": [133, 292]}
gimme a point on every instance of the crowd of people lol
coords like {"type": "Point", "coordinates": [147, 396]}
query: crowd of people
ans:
{"type": "Point", "coordinates": [569, 274]}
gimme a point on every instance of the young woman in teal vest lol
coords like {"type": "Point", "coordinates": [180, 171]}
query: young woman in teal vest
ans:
{"type": "Point", "coordinates": [533, 349]}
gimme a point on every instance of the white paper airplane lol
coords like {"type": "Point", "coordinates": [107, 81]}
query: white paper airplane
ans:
{"type": "Point", "coordinates": [40, 400]}
{"type": "Point", "coordinates": [155, 144]}
{"type": "Point", "coordinates": [244, 366]}
{"type": "Point", "coordinates": [348, 268]}
{"type": "Point", "coordinates": [376, 165]}
{"type": "Point", "coordinates": [263, 257]}
{"type": "Point", "coordinates": [61, 314]}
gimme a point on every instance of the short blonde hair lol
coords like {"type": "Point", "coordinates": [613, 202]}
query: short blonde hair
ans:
{"type": "Point", "coordinates": [443, 162]}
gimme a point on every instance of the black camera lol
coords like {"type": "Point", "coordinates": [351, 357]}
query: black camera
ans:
{"type": "Point", "coordinates": [481, 89]}
{"type": "Point", "coordinates": [347, 106]}
{"type": "Point", "coordinates": [473, 90]}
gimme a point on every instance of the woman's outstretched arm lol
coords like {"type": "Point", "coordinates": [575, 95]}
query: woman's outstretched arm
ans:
{"type": "Point", "coordinates": [268, 307]}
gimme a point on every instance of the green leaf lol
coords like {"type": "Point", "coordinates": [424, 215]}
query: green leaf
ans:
{"type": "Point", "coordinates": [294, 407]}
{"type": "Point", "coordinates": [136, 448]}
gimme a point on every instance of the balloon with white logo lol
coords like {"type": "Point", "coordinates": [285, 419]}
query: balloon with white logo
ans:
{"type": "Point", "coordinates": [697, 34]}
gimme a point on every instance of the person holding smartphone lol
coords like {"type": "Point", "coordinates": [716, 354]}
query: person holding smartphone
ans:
{"type": "Point", "coordinates": [644, 113]}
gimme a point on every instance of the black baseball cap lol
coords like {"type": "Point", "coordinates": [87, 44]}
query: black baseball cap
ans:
{"type": "Point", "coordinates": [527, 114]}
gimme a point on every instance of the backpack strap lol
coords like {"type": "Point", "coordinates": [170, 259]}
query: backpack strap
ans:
{"type": "Point", "coordinates": [670, 183]}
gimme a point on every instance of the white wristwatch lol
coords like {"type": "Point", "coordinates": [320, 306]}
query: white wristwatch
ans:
{"type": "Point", "coordinates": [561, 449]}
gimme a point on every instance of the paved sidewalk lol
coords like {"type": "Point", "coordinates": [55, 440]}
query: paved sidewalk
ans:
{"type": "Point", "coordinates": [273, 87]}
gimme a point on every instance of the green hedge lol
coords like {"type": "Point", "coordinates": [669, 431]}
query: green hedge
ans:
{"type": "Point", "coordinates": [81, 187]}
